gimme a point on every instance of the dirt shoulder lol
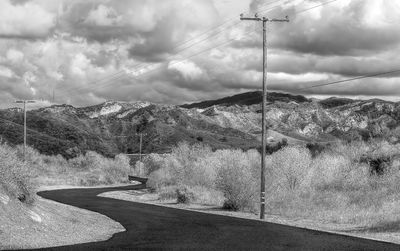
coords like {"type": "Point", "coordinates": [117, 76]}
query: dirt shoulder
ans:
{"type": "Point", "coordinates": [144, 196]}
{"type": "Point", "coordinates": [48, 224]}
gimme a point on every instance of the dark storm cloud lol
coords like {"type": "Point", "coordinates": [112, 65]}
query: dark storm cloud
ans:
{"type": "Point", "coordinates": [16, 2]}
{"type": "Point", "coordinates": [157, 43]}
{"type": "Point", "coordinates": [344, 31]}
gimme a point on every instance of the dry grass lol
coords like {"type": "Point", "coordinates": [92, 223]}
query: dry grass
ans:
{"type": "Point", "coordinates": [90, 169]}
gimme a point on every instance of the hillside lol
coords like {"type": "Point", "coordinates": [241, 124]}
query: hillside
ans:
{"type": "Point", "coordinates": [324, 120]}
{"type": "Point", "coordinates": [249, 98]}
{"type": "Point", "coordinates": [113, 128]}
{"type": "Point", "coordinates": [232, 122]}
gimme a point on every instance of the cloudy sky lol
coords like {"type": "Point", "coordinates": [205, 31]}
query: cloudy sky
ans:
{"type": "Point", "coordinates": [84, 52]}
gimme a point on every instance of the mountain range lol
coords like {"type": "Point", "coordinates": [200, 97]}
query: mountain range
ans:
{"type": "Point", "coordinates": [231, 122]}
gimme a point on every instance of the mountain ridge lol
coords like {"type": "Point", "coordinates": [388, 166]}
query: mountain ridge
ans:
{"type": "Point", "coordinates": [231, 122]}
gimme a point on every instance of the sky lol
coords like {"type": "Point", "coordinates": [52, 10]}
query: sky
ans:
{"type": "Point", "coordinates": [84, 52]}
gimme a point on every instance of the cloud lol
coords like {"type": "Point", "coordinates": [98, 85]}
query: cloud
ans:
{"type": "Point", "coordinates": [103, 16]}
{"type": "Point", "coordinates": [189, 70]}
{"type": "Point", "coordinates": [6, 72]}
{"type": "Point", "coordinates": [14, 56]}
{"type": "Point", "coordinates": [24, 20]}
{"type": "Point", "coordinates": [340, 29]}
{"type": "Point", "coordinates": [167, 51]}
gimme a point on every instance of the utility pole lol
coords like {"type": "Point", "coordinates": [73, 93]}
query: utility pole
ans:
{"type": "Point", "coordinates": [140, 147]}
{"type": "Point", "coordinates": [141, 144]}
{"type": "Point", "coordinates": [24, 102]}
{"type": "Point", "coordinates": [264, 21]}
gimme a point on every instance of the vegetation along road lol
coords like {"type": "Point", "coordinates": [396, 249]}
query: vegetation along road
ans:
{"type": "Point", "coordinates": [156, 227]}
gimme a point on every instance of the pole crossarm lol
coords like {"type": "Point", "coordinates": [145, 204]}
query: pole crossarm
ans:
{"type": "Point", "coordinates": [264, 21]}
{"type": "Point", "coordinates": [25, 101]}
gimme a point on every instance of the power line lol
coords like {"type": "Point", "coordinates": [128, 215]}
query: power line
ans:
{"type": "Point", "coordinates": [115, 76]}
{"type": "Point", "coordinates": [349, 79]}
{"type": "Point", "coordinates": [231, 40]}
{"type": "Point", "coordinates": [174, 63]}
{"type": "Point", "coordinates": [121, 74]}
{"type": "Point", "coordinates": [316, 6]}
{"type": "Point", "coordinates": [34, 131]}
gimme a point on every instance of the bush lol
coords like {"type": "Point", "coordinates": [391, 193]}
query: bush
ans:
{"type": "Point", "coordinates": [187, 165]}
{"type": "Point", "coordinates": [14, 175]}
{"type": "Point", "coordinates": [333, 186]}
{"type": "Point", "coordinates": [290, 166]}
{"type": "Point", "coordinates": [207, 175]}
{"type": "Point", "coordinates": [236, 178]}
{"type": "Point", "coordinates": [153, 162]}
{"type": "Point", "coordinates": [184, 195]}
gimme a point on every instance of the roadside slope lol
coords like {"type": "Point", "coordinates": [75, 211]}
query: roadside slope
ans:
{"type": "Point", "coordinates": [48, 224]}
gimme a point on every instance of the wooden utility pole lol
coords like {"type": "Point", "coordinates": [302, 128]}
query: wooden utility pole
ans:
{"type": "Point", "coordinates": [24, 102]}
{"type": "Point", "coordinates": [264, 21]}
{"type": "Point", "coordinates": [140, 147]}
{"type": "Point", "coordinates": [141, 144]}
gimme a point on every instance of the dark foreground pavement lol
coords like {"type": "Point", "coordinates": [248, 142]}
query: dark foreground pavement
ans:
{"type": "Point", "coordinates": [156, 227]}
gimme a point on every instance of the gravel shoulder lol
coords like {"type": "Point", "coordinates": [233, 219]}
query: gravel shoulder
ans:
{"type": "Point", "coordinates": [144, 196]}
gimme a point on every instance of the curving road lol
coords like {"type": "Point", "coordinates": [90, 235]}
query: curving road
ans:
{"type": "Point", "coordinates": [156, 227]}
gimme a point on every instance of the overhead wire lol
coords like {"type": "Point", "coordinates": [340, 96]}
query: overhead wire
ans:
{"type": "Point", "coordinates": [113, 77]}
{"type": "Point", "coordinates": [34, 131]}
{"type": "Point", "coordinates": [231, 40]}
{"type": "Point", "coordinates": [122, 73]}
{"type": "Point", "coordinates": [350, 79]}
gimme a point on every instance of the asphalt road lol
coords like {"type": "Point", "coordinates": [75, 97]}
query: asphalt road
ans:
{"type": "Point", "coordinates": [156, 227]}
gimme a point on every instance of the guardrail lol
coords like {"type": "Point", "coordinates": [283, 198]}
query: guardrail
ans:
{"type": "Point", "coordinates": [136, 178]}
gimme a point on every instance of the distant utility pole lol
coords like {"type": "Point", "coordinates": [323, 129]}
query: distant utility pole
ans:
{"type": "Point", "coordinates": [24, 102]}
{"type": "Point", "coordinates": [264, 20]}
{"type": "Point", "coordinates": [140, 146]}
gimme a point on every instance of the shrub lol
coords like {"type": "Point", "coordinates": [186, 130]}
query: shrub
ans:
{"type": "Point", "coordinates": [167, 193]}
{"type": "Point", "coordinates": [337, 172]}
{"type": "Point", "coordinates": [161, 178]}
{"type": "Point", "coordinates": [230, 205]}
{"type": "Point", "coordinates": [236, 179]}
{"type": "Point", "coordinates": [187, 194]}
{"type": "Point", "coordinates": [184, 195]}
{"type": "Point", "coordinates": [315, 148]}
{"type": "Point", "coordinates": [209, 176]}
{"type": "Point", "coordinates": [290, 166]}
{"type": "Point", "coordinates": [14, 175]}
{"type": "Point", "coordinates": [153, 162]}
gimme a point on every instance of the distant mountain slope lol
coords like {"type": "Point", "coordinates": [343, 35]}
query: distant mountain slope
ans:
{"type": "Point", "coordinates": [248, 98]}
{"type": "Point", "coordinates": [335, 102]}
{"type": "Point", "coordinates": [232, 122]}
{"type": "Point", "coordinates": [112, 128]}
